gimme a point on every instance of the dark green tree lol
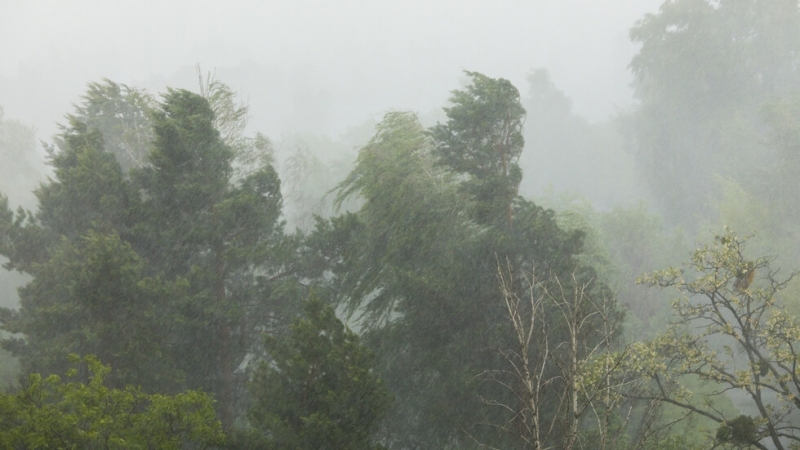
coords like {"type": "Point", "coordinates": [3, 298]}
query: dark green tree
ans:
{"type": "Point", "coordinates": [89, 292]}
{"type": "Point", "coordinates": [91, 297]}
{"type": "Point", "coordinates": [185, 243]}
{"type": "Point", "coordinates": [318, 388]}
{"type": "Point", "coordinates": [223, 234]}
{"type": "Point", "coordinates": [483, 140]}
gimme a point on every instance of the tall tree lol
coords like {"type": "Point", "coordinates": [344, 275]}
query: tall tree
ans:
{"type": "Point", "coordinates": [223, 234]}
{"type": "Point", "coordinates": [416, 263]}
{"type": "Point", "coordinates": [89, 292]}
{"type": "Point", "coordinates": [483, 140]}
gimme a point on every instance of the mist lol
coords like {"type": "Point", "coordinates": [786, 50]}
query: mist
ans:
{"type": "Point", "coordinates": [313, 65]}
{"type": "Point", "coordinates": [454, 215]}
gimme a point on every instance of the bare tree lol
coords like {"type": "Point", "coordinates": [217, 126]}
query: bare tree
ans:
{"type": "Point", "coordinates": [565, 334]}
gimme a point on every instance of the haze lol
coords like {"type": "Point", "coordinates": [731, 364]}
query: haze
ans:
{"type": "Point", "coordinates": [503, 200]}
{"type": "Point", "coordinates": [314, 66]}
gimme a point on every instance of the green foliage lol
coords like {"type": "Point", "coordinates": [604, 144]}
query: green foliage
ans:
{"type": "Point", "coordinates": [741, 431]}
{"type": "Point", "coordinates": [89, 190]}
{"type": "Point", "coordinates": [51, 413]}
{"type": "Point", "coordinates": [89, 292]}
{"type": "Point", "coordinates": [121, 115]}
{"type": "Point", "coordinates": [318, 390]}
{"type": "Point", "coordinates": [222, 233]}
{"type": "Point", "coordinates": [483, 139]}
{"type": "Point", "coordinates": [9, 370]}
{"type": "Point", "coordinates": [417, 261]}
{"type": "Point", "coordinates": [91, 297]}
{"type": "Point", "coordinates": [744, 343]}
{"type": "Point", "coordinates": [169, 271]}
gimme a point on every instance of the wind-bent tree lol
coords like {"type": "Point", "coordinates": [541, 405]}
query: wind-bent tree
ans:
{"type": "Point", "coordinates": [122, 116]}
{"type": "Point", "coordinates": [483, 139]}
{"type": "Point", "coordinates": [416, 261]}
{"type": "Point", "coordinates": [318, 389]}
{"type": "Point", "coordinates": [733, 334]}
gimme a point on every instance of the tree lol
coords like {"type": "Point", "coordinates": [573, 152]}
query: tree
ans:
{"type": "Point", "coordinates": [50, 413]}
{"type": "Point", "coordinates": [230, 120]}
{"type": "Point", "coordinates": [732, 333]}
{"type": "Point", "coordinates": [483, 140]}
{"type": "Point", "coordinates": [577, 369]}
{"type": "Point", "coordinates": [414, 264]}
{"type": "Point", "coordinates": [92, 297]}
{"type": "Point", "coordinates": [223, 234]}
{"type": "Point", "coordinates": [318, 389]}
{"type": "Point", "coordinates": [702, 73]}
{"type": "Point", "coordinates": [559, 141]}
{"type": "Point", "coordinates": [122, 116]}
{"type": "Point", "coordinates": [181, 257]}
{"type": "Point", "coordinates": [89, 292]}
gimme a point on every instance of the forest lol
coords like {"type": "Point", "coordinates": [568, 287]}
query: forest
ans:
{"type": "Point", "coordinates": [185, 282]}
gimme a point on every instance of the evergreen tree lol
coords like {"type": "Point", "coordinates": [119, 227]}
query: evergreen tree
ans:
{"type": "Point", "coordinates": [89, 293]}
{"type": "Point", "coordinates": [483, 139]}
{"type": "Point", "coordinates": [223, 234]}
{"type": "Point", "coordinates": [318, 390]}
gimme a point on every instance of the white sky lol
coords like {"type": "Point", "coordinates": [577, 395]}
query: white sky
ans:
{"type": "Point", "coordinates": [313, 65]}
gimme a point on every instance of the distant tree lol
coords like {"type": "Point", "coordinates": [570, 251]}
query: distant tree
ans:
{"type": "Point", "coordinates": [23, 168]}
{"type": "Point", "coordinates": [559, 141]}
{"type": "Point", "coordinates": [701, 75]}
{"type": "Point", "coordinates": [731, 333]}
{"type": "Point", "coordinates": [318, 389]}
{"type": "Point", "coordinates": [50, 413]}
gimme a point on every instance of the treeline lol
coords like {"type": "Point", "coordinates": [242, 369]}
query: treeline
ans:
{"type": "Point", "coordinates": [159, 247]}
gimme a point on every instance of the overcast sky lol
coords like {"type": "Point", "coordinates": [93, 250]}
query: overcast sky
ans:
{"type": "Point", "coordinates": [313, 65]}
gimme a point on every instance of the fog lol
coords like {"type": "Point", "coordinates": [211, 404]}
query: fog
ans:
{"type": "Point", "coordinates": [446, 177]}
{"type": "Point", "coordinates": [316, 66]}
